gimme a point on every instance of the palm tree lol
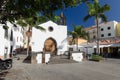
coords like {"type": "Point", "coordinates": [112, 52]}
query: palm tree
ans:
{"type": "Point", "coordinates": [78, 32]}
{"type": "Point", "coordinates": [97, 11]}
{"type": "Point", "coordinates": [31, 22]}
{"type": "Point", "coordinates": [34, 22]}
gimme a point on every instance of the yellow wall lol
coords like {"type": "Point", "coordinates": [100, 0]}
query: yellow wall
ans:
{"type": "Point", "coordinates": [118, 30]}
{"type": "Point", "coordinates": [80, 40]}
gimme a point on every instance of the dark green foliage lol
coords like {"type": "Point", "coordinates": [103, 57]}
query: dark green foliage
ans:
{"type": "Point", "coordinates": [96, 57]}
{"type": "Point", "coordinates": [33, 12]}
{"type": "Point", "coordinates": [97, 11]}
{"type": "Point", "coordinates": [78, 32]}
{"type": "Point", "coordinates": [16, 9]}
{"type": "Point", "coordinates": [5, 27]}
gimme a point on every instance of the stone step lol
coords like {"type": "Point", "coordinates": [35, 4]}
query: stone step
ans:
{"type": "Point", "coordinates": [54, 59]}
{"type": "Point", "coordinates": [60, 60]}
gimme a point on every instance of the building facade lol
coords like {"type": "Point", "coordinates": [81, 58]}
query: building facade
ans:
{"type": "Point", "coordinates": [53, 41]}
{"type": "Point", "coordinates": [106, 31]}
{"type": "Point", "coordinates": [109, 37]}
{"type": "Point", "coordinates": [53, 38]}
{"type": "Point", "coordinates": [10, 39]}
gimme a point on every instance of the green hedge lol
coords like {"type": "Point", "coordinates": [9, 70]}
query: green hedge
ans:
{"type": "Point", "coordinates": [96, 57]}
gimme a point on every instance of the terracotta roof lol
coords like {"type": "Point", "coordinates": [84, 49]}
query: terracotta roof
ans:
{"type": "Point", "coordinates": [103, 23]}
{"type": "Point", "coordinates": [110, 41]}
{"type": "Point", "coordinates": [89, 28]}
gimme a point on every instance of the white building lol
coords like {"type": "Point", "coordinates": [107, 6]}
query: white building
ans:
{"type": "Point", "coordinates": [58, 34]}
{"type": "Point", "coordinates": [109, 37]}
{"type": "Point", "coordinates": [53, 40]}
{"type": "Point", "coordinates": [106, 30]}
{"type": "Point", "coordinates": [2, 41]}
{"type": "Point", "coordinates": [17, 37]}
{"type": "Point", "coordinates": [10, 39]}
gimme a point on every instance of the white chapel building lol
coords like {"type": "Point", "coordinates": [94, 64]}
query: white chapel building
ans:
{"type": "Point", "coordinates": [53, 39]}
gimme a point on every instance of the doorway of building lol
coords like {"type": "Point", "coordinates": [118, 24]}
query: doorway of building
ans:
{"type": "Point", "coordinates": [50, 46]}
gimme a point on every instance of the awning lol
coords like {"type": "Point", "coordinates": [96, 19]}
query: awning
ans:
{"type": "Point", "coordinates": [115, 45]}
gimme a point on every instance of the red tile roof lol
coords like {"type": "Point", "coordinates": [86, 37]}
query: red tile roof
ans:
{"type": "Point", "coordinates": [89, 28]}
{"type": "Point", "coordinates": [110, 41]}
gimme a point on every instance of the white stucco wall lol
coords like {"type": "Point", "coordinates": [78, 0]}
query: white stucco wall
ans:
{"type": "Point", "coordinates": [17, 37]}
{"type": "Point", "coordinates": [93, 32]}
{"type": "Point", "coordinates": [77, 56]}
{"type": "Point", "coordinates": [6, 42]}
{"type": "Point", "coordinates": [59, 34]}
{"type": "Point", "coordinates": [1, 40]}
{"type": "Point", "coordinates": [105, 31]}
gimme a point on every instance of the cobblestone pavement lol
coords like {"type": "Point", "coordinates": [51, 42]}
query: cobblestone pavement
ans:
{"type": "Point", "coordinates": [86, 70]}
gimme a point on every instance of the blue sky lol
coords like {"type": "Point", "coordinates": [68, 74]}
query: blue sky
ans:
{"type": "Point", "coordinates": [75, 15]}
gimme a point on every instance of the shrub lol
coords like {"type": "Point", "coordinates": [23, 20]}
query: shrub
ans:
{"type": "Point", "coordinates": [96, 57]}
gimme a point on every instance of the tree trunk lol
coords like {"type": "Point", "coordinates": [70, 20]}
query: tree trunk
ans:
{"type": "Point", "coordinates": [28, 48]}
{"type": "Point", "coordinates": [28, 41]}
{"type": "Point", "coordinates": [97, 35]}
{"type": "Point", "coordinates": [77, 44]}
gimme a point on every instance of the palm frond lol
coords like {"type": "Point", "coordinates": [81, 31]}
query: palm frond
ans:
{"type": "Point", "coordinates": [22, 23]}
{"type": "Point", "coordinates": [96, 10]}
{"type": "Point", "coordinates": [104, 8]}
{"type": "Point", "coordinates": [87, 17]}
{"type": "Point", "coordinates": [41, 28]}
{"type": "Point", "coordinates": [103, 17]}
{"type": "Point", "coordinates": [56, 19]}
{"type": "Point", "coordinates": [96, 1]}
{"type": "Point", "coordinates": [5, 27]}
{"type": "Point", "coordinates": [69, 33]}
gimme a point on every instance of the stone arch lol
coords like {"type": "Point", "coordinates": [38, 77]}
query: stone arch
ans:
{"type": "Point", "coordinates": [50, 45]}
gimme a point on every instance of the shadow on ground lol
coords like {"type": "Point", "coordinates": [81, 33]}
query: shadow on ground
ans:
{"type": "Point", "coordinates": [27, 59]}
{"type": "Point", "coordinates": [3, 75]}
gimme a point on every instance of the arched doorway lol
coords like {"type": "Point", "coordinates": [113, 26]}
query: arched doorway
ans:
{"type": "Point", "coordinates": [50, 45]}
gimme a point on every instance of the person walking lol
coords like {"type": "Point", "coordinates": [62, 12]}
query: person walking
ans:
{"type": "Point", "coordinates": [105, 55]}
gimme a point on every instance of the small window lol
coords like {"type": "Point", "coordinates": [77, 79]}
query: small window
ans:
{"type": "Point", "coordinates": [109, 34]}
{"type": "Point", "coordinates": [102, 29]}
{"type": "Point", "coordinates": [50, 28]}
{"type": "Point", "coordinates": [94, 37]}
{"type": "Point", "coordinates": [6, 33]}
{"type": "Point", "coordinates": [109, 28]}
{"type": "Point", "coordinates": [11, 36]}
{"type": "Point", "coordinates": [102, 35]}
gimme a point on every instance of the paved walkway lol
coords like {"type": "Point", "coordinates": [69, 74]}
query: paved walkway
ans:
{"type": "Point", "coordinates": [87, 70]}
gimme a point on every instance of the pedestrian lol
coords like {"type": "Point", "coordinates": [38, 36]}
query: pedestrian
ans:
{"type": "Point", "coordinates": [105, 55]}
{"type": "Point", "coordinates": [88, 55]}
{"type": "Point", "coordinates": [14, 53]}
